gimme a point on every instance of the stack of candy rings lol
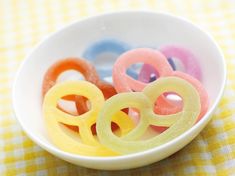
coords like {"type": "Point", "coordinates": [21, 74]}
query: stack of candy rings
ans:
{"type": "Point", "coordinates": [89, 73]}
{"type": "Point", "coordinates": [112, 120]}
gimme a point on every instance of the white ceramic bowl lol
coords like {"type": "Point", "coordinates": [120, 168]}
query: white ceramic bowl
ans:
{"type": "Point", "coordinates": [137, 28]}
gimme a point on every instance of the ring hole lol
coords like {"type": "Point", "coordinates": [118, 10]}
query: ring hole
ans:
{"type": "Point", "coordinates": [152, 76]}
{"type": "Point", "coordinates": [134, 70]}
{"type": "Point", "coordinates": [146, 76]}
{"type": "Point", "coordinates": [117, 131]}
{"type": "Point", "coordinates": [74, 105]}
{"type": "Point", "coordinates": [105, 60]}
{"type": "Point", "coordinates": [67, 106]}
{"type": "Point", "coordinates": [115, 128]}
{"type": "Point", "coordinates": [72, 131]}
{"type": "Point", "coordinates": [71, 128]}
{"type": "Point", "coordinates": [168, 103]}
{"type": "Point", "coordinates": [135, 115]}
{"type": "Point", "coordinates": [71, 75]}
{"type": "Point", "coordinates": [149, 133]}
{"type": "Point", "coordinates": [126, 110]}
{"type": "Point", "coordinates": [178, 64]}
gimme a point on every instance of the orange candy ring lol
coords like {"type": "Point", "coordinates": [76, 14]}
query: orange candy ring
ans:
{"type": "Point", "coordinates": [80, 65]}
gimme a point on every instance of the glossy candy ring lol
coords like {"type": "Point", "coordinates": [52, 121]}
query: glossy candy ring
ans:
{"type": "Point", "coordinates": [143, 101]}
{"type": "Point", "coordinates": [107, 46]}
{"type": "Point", "coordinates": [125, 83]}
{"type": "Point", "coordinates": [68, 140]}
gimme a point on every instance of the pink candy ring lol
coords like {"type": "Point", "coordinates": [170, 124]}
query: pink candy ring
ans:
{"type": "Point", "coordinates": [124, 83]}
{"type": "Point", "coordinates": [187, 58]}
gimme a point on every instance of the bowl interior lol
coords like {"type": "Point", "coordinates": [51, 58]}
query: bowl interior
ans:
{"type": "Point", "coordinates": [137, 29]}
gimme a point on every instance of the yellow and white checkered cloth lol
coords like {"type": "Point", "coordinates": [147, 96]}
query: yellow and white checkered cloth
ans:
{"type": "Point", "coordinates": [24, 22]}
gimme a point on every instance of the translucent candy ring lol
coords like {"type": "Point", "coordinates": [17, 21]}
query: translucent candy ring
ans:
{"type": "Point", "coordinates": [125, 83]}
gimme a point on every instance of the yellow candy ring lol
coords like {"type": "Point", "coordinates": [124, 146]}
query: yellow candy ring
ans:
{"type": "Point", "coordinates": [144, 101]}
{"type": "Point", "coordinates": [64, 139]}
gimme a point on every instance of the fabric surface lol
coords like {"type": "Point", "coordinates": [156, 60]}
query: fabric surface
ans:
{"type": "Point", "coordinates": [25, 23]}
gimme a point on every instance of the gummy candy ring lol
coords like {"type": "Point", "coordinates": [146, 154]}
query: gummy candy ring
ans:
{"type": "Point", "coordinates": [144, 101]}
{"type": "Point", "coordinates": [63, 139]}
{"type": "Point", "coordinates": [107, 46]}
{"type": "Point", "coordinates": [125, 83]}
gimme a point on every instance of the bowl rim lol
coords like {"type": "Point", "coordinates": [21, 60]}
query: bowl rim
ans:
{"type": "Point", "coordinates": [53, 149]}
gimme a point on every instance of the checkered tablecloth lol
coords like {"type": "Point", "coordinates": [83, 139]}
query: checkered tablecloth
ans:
{"type": "Point", "coordinates": [23, 23]}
